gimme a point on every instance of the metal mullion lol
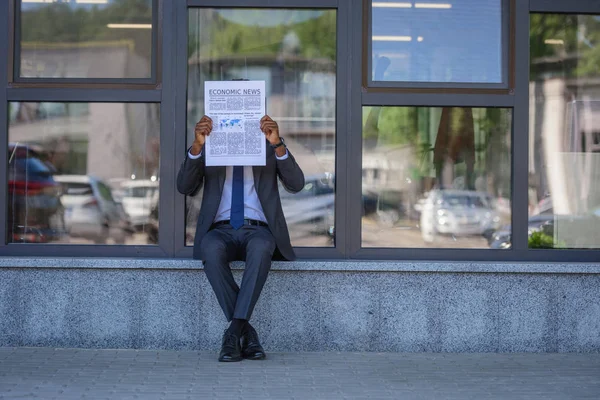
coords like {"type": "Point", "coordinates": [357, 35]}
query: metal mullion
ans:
{"type": "Point", "coordinates": [354, 158]}
{"type": "Point", "coordinates": [565, 6]}
{"type": "Point", "coordinates": [318, 253]}
{"type": "Point", "coordinates": [437, 85]}
{"type": "Point", "coordinates": [81, 250]}
{"type": "Point", "coordinates": [520, 132]}
{"type": "Point", "coordinates": [437, 99]}
{"type": "Point", "coordinates": [556, 255]}
{"type": "Point", "coordinates": [116, 83]}
{"type": "Point", "coordinates": [18, 81]}
{"type": "Point", "coordinates": [343, 91]}
{"type": "Point", "coordinates": [84, 95]}
{"type": "Point", "coordinates": [166, 212]}
{"type": "Point", "coordinates": [183, 251]}
{"type": "Point", "coordinates": [367, 44]}
{"type": "Point", "coordinates": [264, 3]}
{"type": "Point", "coordinates": [157, 30]}
{"type": "Point", "coordinates": [508, 44]}
{"type": "Point", "coordinates": [179, 82]}
{"type": "Point", "coordinates": [476, 255]}
{"type": "Point", "coordinates": [16, 54]}
{"type": "Point", "coordinates": [366, 77]}
{"type": "Point", "coordinates": [4, 46]}
{"type": "Point", "coordinates": [435, 254]}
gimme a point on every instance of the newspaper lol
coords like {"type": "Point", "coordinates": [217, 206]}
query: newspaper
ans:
{"type": "Point", "coordinates": [235, 108]}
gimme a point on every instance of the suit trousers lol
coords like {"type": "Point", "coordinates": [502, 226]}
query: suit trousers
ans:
{"type": "Point", "coordinates": [253, 244]}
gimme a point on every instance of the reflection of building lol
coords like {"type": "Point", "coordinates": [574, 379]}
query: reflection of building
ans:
{"type": "Point", "coordinates": [564, 148]}
{"type": "Point", "coordinates": [115, 59]}
{"type": "Point", "coordinates": [124, 133]}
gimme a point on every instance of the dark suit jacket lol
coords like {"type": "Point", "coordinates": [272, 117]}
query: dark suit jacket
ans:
{"type": "Point", "coordinates": [194, 173]}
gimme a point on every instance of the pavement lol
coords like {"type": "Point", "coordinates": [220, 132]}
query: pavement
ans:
{"type": "Point", "coordinates": [47, 373]}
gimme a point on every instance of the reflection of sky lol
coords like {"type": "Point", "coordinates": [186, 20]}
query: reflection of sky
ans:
{"type": "Point", "coordinates": [457, 44]}
{"type": "Point", "coordinates": [72, 4]}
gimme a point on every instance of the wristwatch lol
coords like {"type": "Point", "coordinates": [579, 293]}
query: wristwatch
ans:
{"type": "Point", "coordinates": [281, 143]}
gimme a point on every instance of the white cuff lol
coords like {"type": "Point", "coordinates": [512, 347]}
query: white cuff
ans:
{"type": "Point", "coordinates": [194, 157]}
{"type": "Point", "coordinates": [283, 157]}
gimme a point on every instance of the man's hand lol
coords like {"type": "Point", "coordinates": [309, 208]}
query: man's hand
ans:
{"type": "Point", "coordinates": [270, 129]}
{"type": "Point", "coordinates": [201, 131]}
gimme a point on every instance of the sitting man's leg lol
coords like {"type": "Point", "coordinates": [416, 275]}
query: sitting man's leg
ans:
{"type": "Point", "coordinates": [257, 245]}
{"type": "Point", "coordinates": [220, 248]}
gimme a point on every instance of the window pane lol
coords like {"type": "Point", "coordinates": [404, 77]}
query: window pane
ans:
{"type": "Point", "coordinates": [73, 169]}
{"type": "Point", "coordinates": [564, 134]}
{"type": "Point", "coordinates": [436, 177]}
{"type": "Point", "coordinates": [86, 39]}
{"type": "Point", "coordinates": [459, 41]}
{"type": "Point", "coordinates": [293, 51]}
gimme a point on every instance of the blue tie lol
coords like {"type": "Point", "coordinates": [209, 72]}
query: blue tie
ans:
{"type": "Point", "coordinates": [237, 198]}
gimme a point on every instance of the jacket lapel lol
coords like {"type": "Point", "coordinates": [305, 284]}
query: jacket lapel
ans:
{"type": "Point", "coordinates": [221, 174]}
{"type": "Point", "coordinates": [256, 170]}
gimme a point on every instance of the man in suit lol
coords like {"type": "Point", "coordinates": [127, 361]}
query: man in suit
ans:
{"type": "Point", "coordinates": [240, 219]}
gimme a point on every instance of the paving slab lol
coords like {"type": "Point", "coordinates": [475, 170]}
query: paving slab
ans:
{"type": "Point", "coordinates": [49, 373]}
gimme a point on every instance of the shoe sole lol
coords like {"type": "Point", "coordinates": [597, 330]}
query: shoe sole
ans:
{"type": "Point", "coordinates": [255, 358]}
{"type": "Point", "coordinates": [231, 359]}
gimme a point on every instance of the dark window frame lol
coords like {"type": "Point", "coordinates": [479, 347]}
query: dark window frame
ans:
{"type": "Point", "coordinates": [507, 49]}
{"type": "Point", "coordinates": [342, 13]}
{"type": "Point", "coordinates": [351, 95]}
{"type": "Point", "coordinates": [515, 96]}
{"type": "Point", "coordinates": [14, 60]}
{"type": "Point", "coordinates": [93, 90]}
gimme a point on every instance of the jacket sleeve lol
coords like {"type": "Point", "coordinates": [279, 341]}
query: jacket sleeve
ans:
{"type": "Point", "coordinates": [290, 174]}
{"type": "Point", "coordinates": [191, 175]}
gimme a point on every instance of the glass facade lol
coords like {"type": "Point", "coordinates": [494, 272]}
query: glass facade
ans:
{"type": "Point", "coordinates": [564, 132]}
{"type": "Point", "coordinates": [85, 39]}
{"type": "Point", "coordinates": [423, 128]}
{"type": "Point", "coordinates": [435, 177]}
{"type": "Point", "coordinates": [424, 41]}
{"type": "Point", "coordinates": [83, 173]}
{"type": "Point", "coordinates": [294, 52]}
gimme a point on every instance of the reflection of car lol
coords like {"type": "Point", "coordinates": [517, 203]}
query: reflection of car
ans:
{"type": "Point", "coordinates": [90, 210]}
{"type": "Point", "coordinates": [35, 212]}
{"type": "Point", "coordinates": [152, 227]}
{"type": "Point", "coordinates": [138, 198]}
{"type": "Point", "coordinates": [456, 212]}
{"type": "Point", "coordinates": [577, 231]}
{"type": "Point", "coordinates": [501, 238]}
{"type": "Point", "coordinates": [313, 205]}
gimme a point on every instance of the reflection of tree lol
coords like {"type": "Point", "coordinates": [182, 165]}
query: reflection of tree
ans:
{"type": "Point", "coordinates": [468, 143]}
{"type": "Point", "coordinates": [317, 35]}
{"type": "Point", "coordinates": [455, 143]}
{"type": "Point", "coordinates": [61, 22]}
{"type": "Point", "coordinates": [565, 64]}
{"type": "Point", "coordinates": [578, 55]}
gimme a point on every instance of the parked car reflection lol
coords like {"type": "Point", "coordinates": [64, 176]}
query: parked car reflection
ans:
{"type": "Point", "coordinates": [457, 212]}
{"type": "Point", "coordinates": [138, 200]}
{"type": "Point", "coordinates": [566, 231]}
{"type": "Point", "coordinates": [90, 210]}
{"type": "Point", "coordinates": [35, 211]}
{"type": "Point", "coordinates": [311, 210]}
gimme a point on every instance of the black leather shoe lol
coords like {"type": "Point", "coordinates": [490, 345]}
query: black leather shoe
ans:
{"type": "Point", "coordinates": [251, 348]}
{"type": "Point", "coordinates": [230, 349]}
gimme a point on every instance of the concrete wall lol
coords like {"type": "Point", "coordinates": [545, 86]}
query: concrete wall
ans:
{"type": "Point", "coordinates": [305, 306]}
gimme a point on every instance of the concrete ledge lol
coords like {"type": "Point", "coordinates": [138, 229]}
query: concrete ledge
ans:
{"type": "Point", "coordinates": [108, 306]}
{"type": "Point", "coordinates": [307, 265]}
